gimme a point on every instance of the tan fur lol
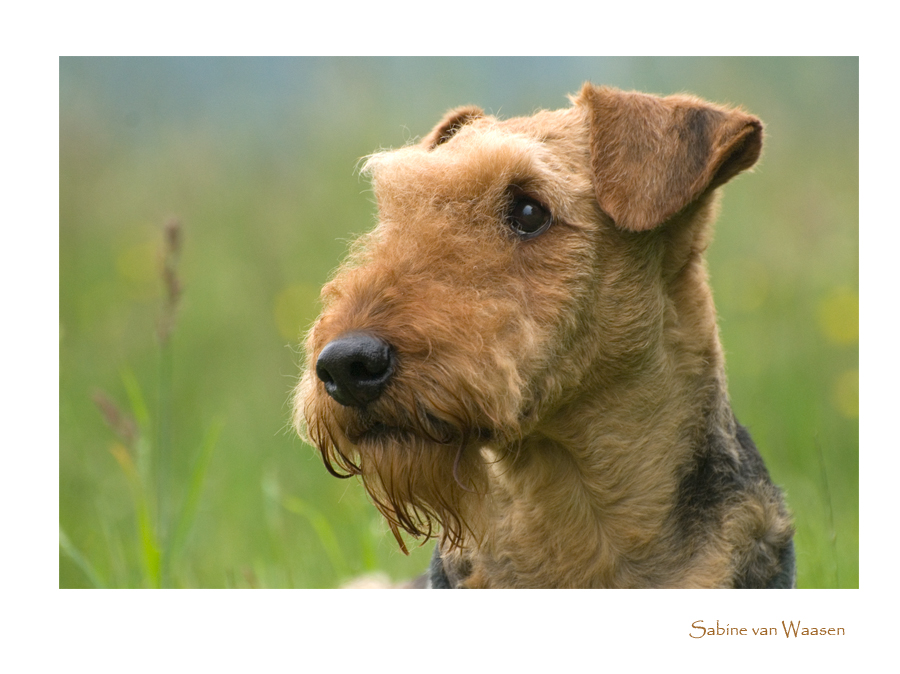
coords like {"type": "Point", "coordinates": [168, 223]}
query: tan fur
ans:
{"type": "Point", "coordinates": [550, 393]}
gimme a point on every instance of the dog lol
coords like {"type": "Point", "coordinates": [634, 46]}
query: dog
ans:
{"type": "Point", "coordinates": [522, 359]}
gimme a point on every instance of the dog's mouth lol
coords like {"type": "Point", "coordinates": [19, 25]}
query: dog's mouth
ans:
{"type": "Point", "coordinates": [381, 433]}
{"type": "Point", "coordinates": [434, 431]}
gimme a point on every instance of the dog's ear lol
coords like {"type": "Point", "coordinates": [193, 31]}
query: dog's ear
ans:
{"type": "Point", "coordinates": [452, 122]}
{"type": "Point", "coordinates": [652, 156]}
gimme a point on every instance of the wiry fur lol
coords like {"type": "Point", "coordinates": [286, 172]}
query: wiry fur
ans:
{"type": "Point", "coordinates": [559, 414]}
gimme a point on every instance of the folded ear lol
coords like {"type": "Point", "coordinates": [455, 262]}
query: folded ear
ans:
{"type": "Point", "coordinates": [652, 156]}
{"type": "Point", "coordinates": [452, 122]}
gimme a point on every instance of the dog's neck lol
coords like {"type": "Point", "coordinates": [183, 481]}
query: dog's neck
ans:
{"type": "Point", "coordinates": [588, 499]}
{"type": "Point", "coordinates": [589, 509]}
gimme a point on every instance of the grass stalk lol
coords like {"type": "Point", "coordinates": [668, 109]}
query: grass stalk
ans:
{"type": "Point", "coordinates": [170, 254]}
{"type": "Point", "coordinates": [147, 461]}
{"type": "Point", "coordinates": [828, 502]}
{"type": "Point", "coordinates": [148, 541]}
{"type": "Point", "coordinates": [188, 510]}
{"type": "Point", "coordinates": [73, 553]}
{"type": "Point", "coordinates": [323, 529]}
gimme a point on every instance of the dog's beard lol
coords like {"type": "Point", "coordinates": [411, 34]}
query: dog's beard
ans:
{"type": "Point", "coordinates": [418, 459]}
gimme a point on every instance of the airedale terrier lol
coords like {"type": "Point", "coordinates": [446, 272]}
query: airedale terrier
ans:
{"type": "Point", "coordinates": [522, 359]}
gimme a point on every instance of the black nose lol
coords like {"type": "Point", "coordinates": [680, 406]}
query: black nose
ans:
{"type": "Point", "coordinates": [355, 368]}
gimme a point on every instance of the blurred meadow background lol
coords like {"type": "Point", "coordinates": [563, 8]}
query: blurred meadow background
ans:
{"type": "Point", "coordinates": [204, 201]}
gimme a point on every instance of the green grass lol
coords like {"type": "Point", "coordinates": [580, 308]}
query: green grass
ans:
{"type": "Point", "coordinates": [197, 479]}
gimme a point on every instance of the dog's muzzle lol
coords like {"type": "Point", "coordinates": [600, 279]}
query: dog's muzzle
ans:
{"type": "Point", "coordinates": [356, 368]}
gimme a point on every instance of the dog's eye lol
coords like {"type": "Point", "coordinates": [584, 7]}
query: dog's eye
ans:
{"type": "Point", "coordinates": [528, 218]}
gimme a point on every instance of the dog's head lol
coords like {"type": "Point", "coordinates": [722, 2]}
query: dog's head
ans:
{"type": "Point", "coordinates": [515, 265]}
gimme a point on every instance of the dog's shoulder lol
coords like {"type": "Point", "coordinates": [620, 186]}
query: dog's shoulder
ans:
{"type": "Point", "coordinates": [727, 482]}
